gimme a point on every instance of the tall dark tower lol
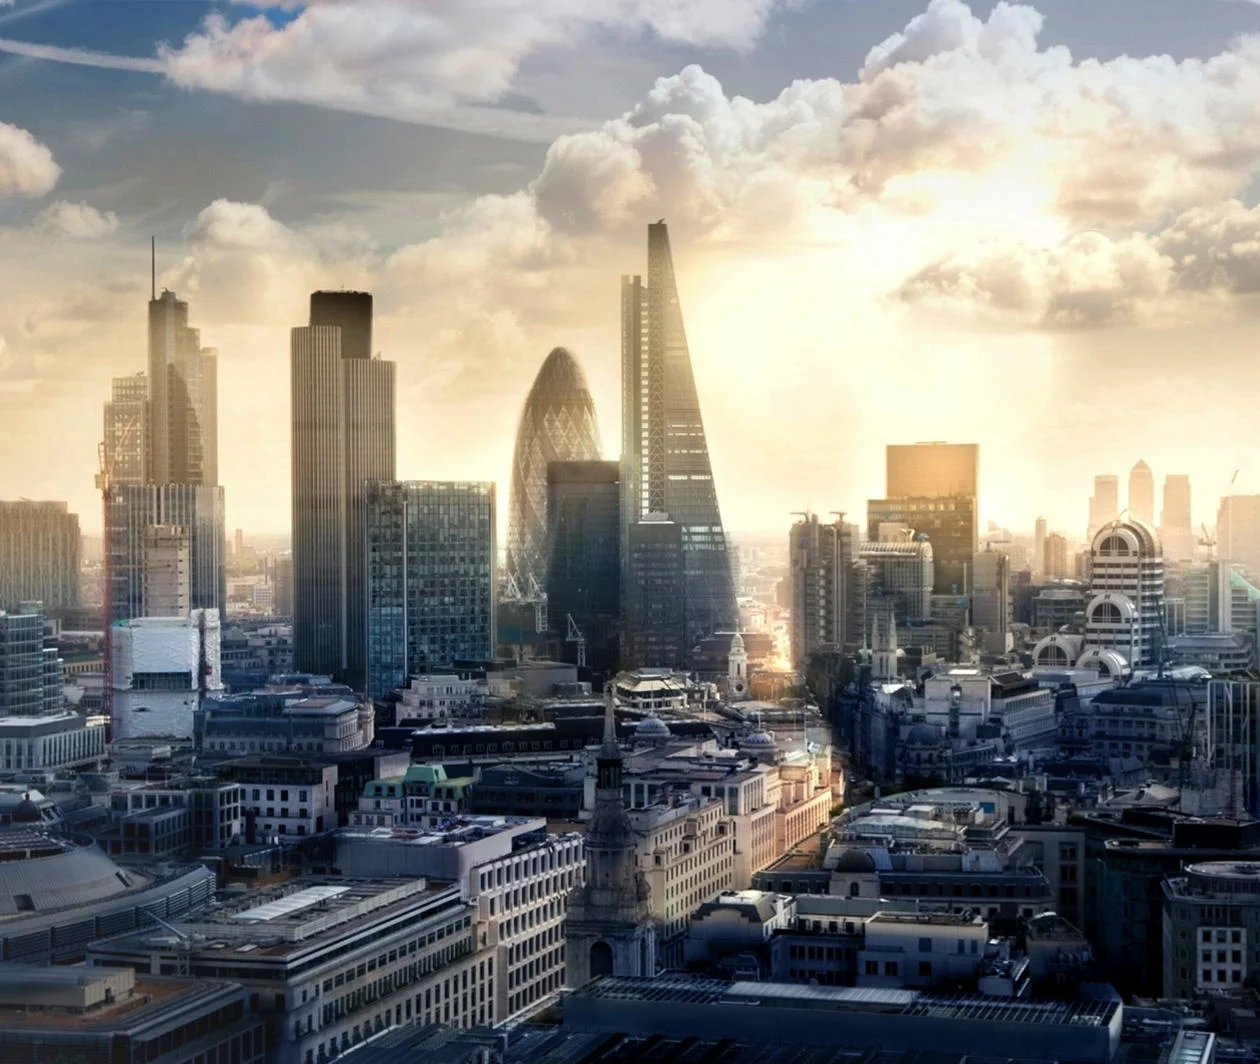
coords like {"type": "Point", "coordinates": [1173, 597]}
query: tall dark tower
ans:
{"type": "Point", "coordinates": [183, 398]}
{"type": "Point", "coordinates": [665, 457]}
{"type": "Point", "coordinates": [343, 437]}
{"type": "Point", "coordinates": [609, 928]}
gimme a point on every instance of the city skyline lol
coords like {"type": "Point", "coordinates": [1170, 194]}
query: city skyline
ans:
{"type": "Point", "coordinates": [457, 258]}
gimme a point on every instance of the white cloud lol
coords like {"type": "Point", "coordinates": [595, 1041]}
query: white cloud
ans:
{"type": "Point", "coordinates": [430, 60]}
{"type": "Point", "coordinates": [27, 167]}
{"type": "Point", "coordinates": [77, 221]}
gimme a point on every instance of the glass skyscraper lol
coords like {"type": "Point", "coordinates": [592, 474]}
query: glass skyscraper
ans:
{"type": "Point", "coordinates": [557, 425]}
{"type": "Point", "coordinates": [183, 398]}
{"type": "Point", "coordinates": [430, 578]}
{"type": "Point", "coordinates": [584, 559]}
{"type": "Point", "coordinates": [665, 457]}
{"type": "Point", "coordinates": [343, 437]}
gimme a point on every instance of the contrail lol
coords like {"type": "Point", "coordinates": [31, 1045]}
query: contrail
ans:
{"type": "Point", "coordinates": [82, 57]}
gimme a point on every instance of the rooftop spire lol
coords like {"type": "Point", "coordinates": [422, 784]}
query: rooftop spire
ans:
{"type": "Point", "coordinates": [610, 723]}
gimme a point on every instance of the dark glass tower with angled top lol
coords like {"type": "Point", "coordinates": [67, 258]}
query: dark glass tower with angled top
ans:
{"type": "Point", "coordinates": [665, 458]}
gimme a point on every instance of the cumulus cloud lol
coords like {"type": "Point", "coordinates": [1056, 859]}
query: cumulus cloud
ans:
{"type": "Point", "coordinates": [428, 60]}
{"type": "Point", "coordinates": [76, 221]}
{"type": "Point", "coordinates": [27, 167]}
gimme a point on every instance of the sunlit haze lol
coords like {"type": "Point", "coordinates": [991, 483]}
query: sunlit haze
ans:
{"type": "Point", "coordinates": [1031, 227]}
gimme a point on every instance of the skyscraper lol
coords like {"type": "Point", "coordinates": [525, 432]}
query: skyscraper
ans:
{"type": "Point", "coordinates": [167, 586]}
{"type": "Point", "coordinates": [991, 599]}
{"type": "Point", "coordinates": [30, 671]}
{"type": "Point", "coordinates": [1142, 494]}
{"type": "Point", "coordinates": [1176, 530]}
{"type": "Point", "coordinates": [1054, 562]}
{"type": "Point", "coordinates": [654, 607]}
{"type": "Point", "coordinates": [820, 559]}
{"type": "Point", "coordinates": [926, 469]}
{"type": "Point", "coordinates": [584, 559]}
{"type": "Point", "coordinates": [1039, 545]}
{"type": "Point", "coordinates": [948, 522]}
{"type": "Point", "coordinates": [1126, 610]}
{"type": "Point", "coordinates": [1238, 531]}
{"type": "Point", "coordinates": [198, 511]}
{"type": "Point", "coordinates": [557, 425]}
{"type": "Point", "coordinates": [665, 457]}
{"type": "Point", "coordinates": [430, 578]}
{"type": "Point", "coordinates": [1104, 504]}
{"type": "Point", "coordinates": [183, 398]}
{"type": "Point", "coordinates": [39, 554]}
{"type": "Point", "coordinates": [127, 429]}
{"type": "Point", "coordinates": [343, 437]}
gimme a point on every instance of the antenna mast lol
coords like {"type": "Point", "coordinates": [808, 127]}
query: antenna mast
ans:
{"type": "Point", "coordinates": [152, 267]}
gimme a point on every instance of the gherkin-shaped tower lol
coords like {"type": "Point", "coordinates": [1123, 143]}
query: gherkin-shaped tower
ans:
{"type": "Point", "coordinates": [557, 425]}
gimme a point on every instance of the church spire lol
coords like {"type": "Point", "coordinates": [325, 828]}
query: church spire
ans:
{"type": "Point", "coordinates": [608, 760]}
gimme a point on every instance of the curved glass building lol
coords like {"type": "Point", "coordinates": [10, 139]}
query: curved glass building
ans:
{"type": "Point", "coordinates": [557, 425]}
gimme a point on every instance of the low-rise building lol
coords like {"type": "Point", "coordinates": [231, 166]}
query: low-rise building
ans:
{"type": "Point", "coordinates": [306, 721]}
{"type": "Point", "coordinates": [330, 962]}
{"type": "Point", "coordinates": [284, 798]}
{"type": "Point", "coordinates": [106, 1014]}
{"type": "Point", "coordinates": [162, 667]}
{"type": "Point", "coordinates": [439, 696]}
{"type": "Point", "coordinates": [50, 744]}
{"type": "Point", "coordinates": [1211, 928]}
{"type": "Point", "coordinates": [197, 814]}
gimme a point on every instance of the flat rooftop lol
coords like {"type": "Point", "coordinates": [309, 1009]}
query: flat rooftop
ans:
{"type": "Point", "coordinates": [1081, 1012]}
{"type": "Point", "coordinates": [150, 1000]}
{"type": "Point", "coordinates": [457, 831]}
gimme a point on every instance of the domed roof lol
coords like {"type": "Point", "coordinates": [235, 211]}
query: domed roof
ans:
{"type": "Point", "coordinates": [737, 644]}
{"type": "Point", "coordinates": [853, 860]}
{"type": "Point", "coordinates": [758, 740]}
{"type": "Point", "coordinates": [922, 735]}
{"type": "Point", "coordinates": [27, 812]}
{"type": "Point", "coordinates": [652, 728]}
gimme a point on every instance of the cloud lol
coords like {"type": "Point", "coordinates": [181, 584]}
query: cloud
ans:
{"type": "Point", "coordinates": [445, 61]}
{"type": "Point", "coordinates": [77, 221]}
{"type": "Point", "coordinates": [27, 167]}
{"type": "Point", "coordinates": [81, 57]}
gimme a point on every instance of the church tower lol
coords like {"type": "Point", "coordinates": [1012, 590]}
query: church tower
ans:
{"type": "Point", "coordinates": [737, 670]}
{"type": "Point", "coordinates": [884, 650]}
{"type": "Point", "coordinates": [609, 928]}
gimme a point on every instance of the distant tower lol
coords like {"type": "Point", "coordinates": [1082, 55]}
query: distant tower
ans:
{"type": "Point", "coordinates": [737, 670]}
{"type": "Point", "coordinates": [183, 398]}
{"type": "Point", "coordinates": [1104, 504]}
{"type": "Point", "coordinates": [1142, 494]}
{"type": "Point", "coordinates": [1039, 546]}
{"type": "Point", "coordinates": [609, 929]}
{"type": "Point", "coordinates": [557, 425]}
{"type": "Point", "coordinates": [1175, 529]}
{"type": "Point", "coordinates": [884, 650]}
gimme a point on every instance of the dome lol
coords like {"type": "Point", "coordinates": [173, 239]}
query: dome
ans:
{"type": "Point", "coordinates": [27, 812]}
{"type": "Point", "coordinates": [922, 735]}
{"type": "Point", "coordinates": [652, 728]}
{"type": "Point", "coordinates": [758, 740]}
{"type": "Point", "coordinates": [737, 644]}
{"type": "Point", "coordinates": [855, 861]}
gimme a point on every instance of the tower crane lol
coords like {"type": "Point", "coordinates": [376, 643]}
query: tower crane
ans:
{"type": "Point", "coordinates": [575, 636]}
{"type": "Point", "coordinates": [105, 485]}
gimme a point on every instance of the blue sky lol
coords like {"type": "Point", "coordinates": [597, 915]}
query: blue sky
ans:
{"type": "Point", "coordinates": [845, 281]}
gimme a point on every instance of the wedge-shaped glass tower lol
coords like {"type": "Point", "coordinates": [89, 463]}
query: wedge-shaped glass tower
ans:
{"type": "Point", "coordinates": [665, 458]}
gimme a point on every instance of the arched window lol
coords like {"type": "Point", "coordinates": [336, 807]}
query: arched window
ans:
{"type": "Point", "coordinates": [854, 888]}
{"type": "Point", "coordinates": [1114, 545]}
{"type": "Point", "coordinates": [601, 959]}
{"type": "Point", "coordinates": [1107, 613]}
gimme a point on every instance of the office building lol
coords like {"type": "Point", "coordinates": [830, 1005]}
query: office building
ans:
{"type": "Point", "coordinates": [1126, 610]}
{"type": "Point", "coordinates": [949, 523]}
{"type": "Point", "coordinates": [893, 578]}
{"type": "Point", "coordinates": [114, 1014]}
{"type": "Point", "coordinates": [1104, 504]}
{"type": "Point", "coordinates": [167, 591]}
{"type": "Point", "coordinates": [666, 468]}
{"type": "Point", "coordinates": [557, 425]}
{"type": "Point", "coordinates": [653, 631]}
{"type": "Point", "coordinates": [183, 398]}
{"type": "Point", "coordinates": [333, 962]}
{"type": "Point", "coordinates": [282, 586]}
{"type": "Point", "coordinates": [30, 671]}
{"type": "Point", "coordinates": [431, 578]}
{"type": "Point", "coordinates": [295, 722]}
{"type": "Point", "coordinates": [196, 508]}
{"type": "Point", "coordinates": [932, 469]}
{"type": "Point", "coordinates": [163, 666]}
{"type": "Point", "coordinates": [609, 930]}
{"type": "Point", "coordinates": [39, 554]}
{"type": "Point", "coordinates": [1054, 557]}
{"type": "Point", "coordinates": [1142, 494]}
{"type": "Point", "coordinates": [1211, 928]}
{"type": "Point", "coordinates": [820, 561]}
{"type": "Point", "coordinates": [583, 564]}
{"type": "Point", "coordinates": [1238, 531]}
{"type": "Point", "coordinates": [991, 599]}
{"type": "Point", "coordinates": [343, 436]}
{"type": "Point", "coordinates": [1176, 527]}
{"type": "Point", "coordinates": [127, 430]}
{"type": "Point", "coordinates": [51, 742]}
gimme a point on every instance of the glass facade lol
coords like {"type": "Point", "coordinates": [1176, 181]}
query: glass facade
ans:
{"type": "Point", "coordinates": [664, 451]}
{"type": "Point", "coordinates": [655, 602]}
{"type": "Point", "coordinates": [584, 559]}
{"type": "Point", "coordinates": [183, 398]}
{"type": "Point", "coordinates": [430, 577]}
{"type": "Point", "coordinates": [30, 673]}
{"type": "Point", "coordinates": [39, 554]}
{"type": "Point", "coordinates": [557, 425]}
{"type": "Point", "coordinates": [199, 509]}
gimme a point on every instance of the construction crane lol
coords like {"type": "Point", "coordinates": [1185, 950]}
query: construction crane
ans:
{"type": "Point", "coordinates": [1209, 542]}
{"type": "Point", "coordinates": [575, 636]}
{"type": "Point", "coordinates": [105, 484]}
